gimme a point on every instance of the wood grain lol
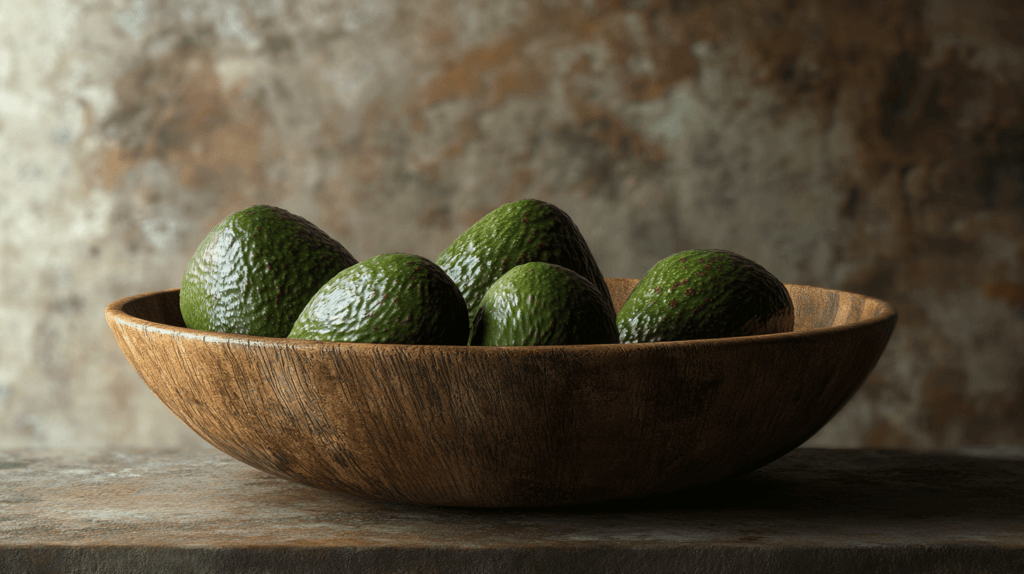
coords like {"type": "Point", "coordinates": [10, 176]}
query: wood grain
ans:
{"type": "Point", "coordinates": [508, 426]}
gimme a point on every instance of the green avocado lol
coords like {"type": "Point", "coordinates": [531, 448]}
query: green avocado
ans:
{"type": "Point", "coordinates": [513, 234]}
{"type": "Point", "coordinates": [392, 298]}
{"type": "Point", "coordinates": [543, 304]}
{"type": "Point", "coordinates": [256, 270]}
{"type": "Point", "coordinates": [705, 294]}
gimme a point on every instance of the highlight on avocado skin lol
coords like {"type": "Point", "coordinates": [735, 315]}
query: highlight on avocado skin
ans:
{"type": "Point", "coordinates": [394, 298]}
{"type": "Point", "coordinates": [256, 270]}
{"type": "Point", "coordinates": [705, 294]}
{"type": "Point", "coordinates": [543, 304]}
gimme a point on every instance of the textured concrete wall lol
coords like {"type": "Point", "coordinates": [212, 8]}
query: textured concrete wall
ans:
{"type": "Point", "coordinates": [875, 147]}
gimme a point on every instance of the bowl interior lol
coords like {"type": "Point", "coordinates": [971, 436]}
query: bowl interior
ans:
{"type": "Point", "coordinates": [815, 307]}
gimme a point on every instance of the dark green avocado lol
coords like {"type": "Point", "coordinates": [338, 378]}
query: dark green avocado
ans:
{"type": "Point", "coordinates": [256, 270]}
{"type": "Point", "coordinates": [513, 234]}
{"type": "Point", "coordinates": [392, 298]}
{"type": "Point", "coordinates": [543, 304]}
{"type": "Point", "coordinates": [705, 294]}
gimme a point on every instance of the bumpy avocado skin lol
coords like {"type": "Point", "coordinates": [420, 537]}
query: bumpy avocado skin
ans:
{"type": "Point", "coordinates": [256, 270]}
{"type": "Point", "coordinates": [543, 304]}
{"type": "Point", "coordinates": [513, 234]}
{"type": "Point", "coordinates": [705, 294]}
{"type": "Point", "coordinates": [392, 298]}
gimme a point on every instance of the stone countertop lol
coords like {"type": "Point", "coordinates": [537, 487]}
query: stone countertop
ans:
{"type": "Point", "coordinates": [814, 510]}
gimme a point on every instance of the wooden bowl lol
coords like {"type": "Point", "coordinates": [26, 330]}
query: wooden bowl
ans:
{"type": "Point", "coordinates": [508, 426]}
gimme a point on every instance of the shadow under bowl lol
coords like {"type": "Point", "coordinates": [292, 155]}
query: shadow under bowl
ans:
{"type": "Point", "coordinates": [508, 426]}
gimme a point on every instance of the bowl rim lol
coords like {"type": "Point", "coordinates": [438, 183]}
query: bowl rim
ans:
{"type": "Point", "coordinates": [115, 312]}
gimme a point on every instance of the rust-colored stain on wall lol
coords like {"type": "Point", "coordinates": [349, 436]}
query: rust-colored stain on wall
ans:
{"type": "Point", "coordinates": [175, 109]}
{"type": "Point", "coordinates": [876, 147]}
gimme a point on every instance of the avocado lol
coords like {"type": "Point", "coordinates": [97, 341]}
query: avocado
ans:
{"type": "Point", "coordinates": [705, 294]}
{"type": "Point", "coordinates": [513, 234]}
{"type": "Point", "coordinates": [391, 298]}
{"type": "Point", "coordinates": [256, 270]}
{"type": "Point", "coordinates": [543, 304]}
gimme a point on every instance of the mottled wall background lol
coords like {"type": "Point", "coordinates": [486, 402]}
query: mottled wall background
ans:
{"type": "Point", "coordinates": [876, 147]}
